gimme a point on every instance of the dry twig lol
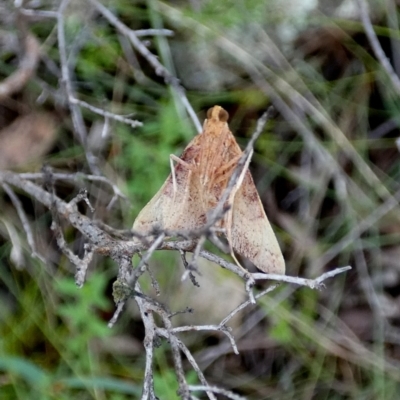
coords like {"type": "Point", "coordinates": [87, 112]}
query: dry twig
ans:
{"type": "Point", "coordinates": [376, 46]}
{"type": "Point", "coordinates": [159, 69]}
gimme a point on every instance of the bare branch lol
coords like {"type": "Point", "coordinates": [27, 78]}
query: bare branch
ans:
{"type": "Point", "coordinates": [106, 114]}
{"type": "Point", "coordinates": [164, 333]}
{"type": "Point", "coordinates": [215, 389]}
{"type": "Point", "coordinates": [24, 220]}
{"type": "Point", "coordinates": [376, 46]}
{"type": "Point", "coordinates": [188, 271]}
{"type": "Point", "coordinates": [153, 32]}
{"type": "Point", "coordinates": [391, 203]}
{"type": "Point", "coordinates": [38, 14]}
{"type": "Point", "coordinates": [159, 69]}
{"type": "Point", "coordinates": [183, 386]}
{"type": "Point", "coordinates": [77, 118]}
{"type": "Point", "coordinates": [311, 283]}
{"type": "Point", "coordinates": [80, 264]}
{"type": "Point", "coordinates": [149, 340]}
{"type": "Point", "coordinates": [76, 178]}
{"type": "Point", "coordinates": [245, 304]}
{"type": "Point", "coordinates": [116, 314]}
{"type": "Point", "coordinates": [146, 309]}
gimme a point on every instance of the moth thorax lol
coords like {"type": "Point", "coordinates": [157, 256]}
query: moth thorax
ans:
{"type": "Point", "coordinates": [217, 113]}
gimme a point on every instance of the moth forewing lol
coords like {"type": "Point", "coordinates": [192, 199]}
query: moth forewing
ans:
{"type": "Point", "coordinates": [228, 220]}
{"type": "Point", "coordinates": [252, 234]}
{"type": "Point", "coordinates": [171, 208]}
{"type": "Point", "coordinates": [172, 158]}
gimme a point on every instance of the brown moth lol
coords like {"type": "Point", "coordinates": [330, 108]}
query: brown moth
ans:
{"type": "Point", "coordinates": [195, 186]}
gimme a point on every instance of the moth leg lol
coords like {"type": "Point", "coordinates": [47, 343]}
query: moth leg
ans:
{"type": "Point", "coordinates": [231, 163]}
{"type": "Point", "coordinates": [172, 158]}
{"type": "Point", "coordinates": [220, 173]}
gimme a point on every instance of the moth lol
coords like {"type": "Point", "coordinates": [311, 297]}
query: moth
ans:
{"type": "Point", "coordinates": [195, 186]}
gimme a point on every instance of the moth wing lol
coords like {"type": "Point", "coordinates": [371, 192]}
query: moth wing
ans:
{"type": "Point", "coordinates": [175, 208]}
{"type": "Point", "coordinates": [251, 233]}
{"type": "Point", "coordinates": [155, 212]}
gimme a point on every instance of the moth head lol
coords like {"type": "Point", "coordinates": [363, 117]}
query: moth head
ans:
{"type": "Point", "coordinates": [217, 113]}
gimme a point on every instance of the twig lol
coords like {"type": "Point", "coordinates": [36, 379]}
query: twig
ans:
{"type": "Point", "coordinates": [279, 90]}
{"type": "Point", "coordinates": [245, 304]}
{"type": "Point", "coordinates": [142, 267]}
{"type": "Point", "coordinates": [193, 262]}
{"type": "Point", "coordinates": [37, 14]}
{"type": "Point", "coordinates": [154, 32]}
{"type": "Point", "coordinates": [124, 234]}
{"type": "Point", "coordinates": [311, 283]}
{"type": "Point", "coordinates": [189, 246]}
{"type": "Point", "coordinates": [187, 272]}
{"type": "Point", "coordinates": [376, 47]}
{"type": "Point", "coordinates": [80, 264]}
{"type": "Point", "coordinates": [164, 333]}
{"type": "Point", "coordinates": [366, 223]}
{"type": "Point", "coordinates": [105, 114]}
{"type": "Point", "coordinates": [249, 289]}
{"type": "Point", "coordinates": [156, 244]}
{"type": "Point", "coordinates": [77, 119]}
{"type": "Point", "coordinates": [24, 220]}
{"type": "Point", "coordinates": [154, 282]}
{"type": "Point", "coordinates": [81, 196]}
{"type": "Point", "coordinates": [216, 389]}
{"type": "Point", "coordinates": [183, 386]}
{"type": "Point", "coordinates": [185, 311]}
{"type": "Point", "coordinates": [149, 339]}
{"type": "Point", "coordinates": [165, 316]}
{"type": "Point", "coordinates": [159, 69]}
{"type": "Point", "coordinates": [116, 314]}
{"type": "Point", "coordinates": [219, 328]}
{"type": "Point", "coordinates": [76, 178]}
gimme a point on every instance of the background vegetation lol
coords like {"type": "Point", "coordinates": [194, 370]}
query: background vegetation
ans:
{"type": "Point", "coordinates": [327, 170]}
